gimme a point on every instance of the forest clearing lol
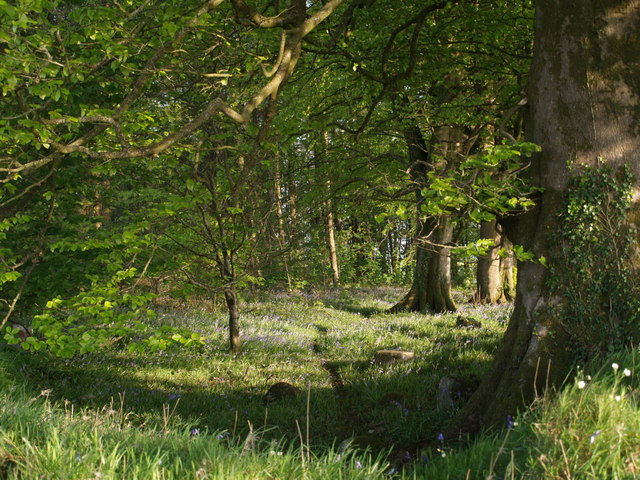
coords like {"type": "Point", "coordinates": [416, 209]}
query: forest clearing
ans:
{"type": "Point", "coordinates": [319, 239]}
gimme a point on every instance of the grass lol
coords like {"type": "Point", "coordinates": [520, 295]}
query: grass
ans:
{"type": "Point", "coordinates": [589, 430]}
{"type": "Point", "coordinates": [201, 413]}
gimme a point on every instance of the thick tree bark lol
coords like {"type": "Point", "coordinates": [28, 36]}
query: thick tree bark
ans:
{"type": "Point", "coordinates": [431, 287]}
{"type": "Point", "coordinates": [438, 291]}
{"type": "Point", "coordinates": [507, 270]}
{"type": "Point", "coordinates": [494, 273]}
{"type": "Point", "coordinates": [488, 272]}
{"type": "Point", "coordinates": [584, 97]}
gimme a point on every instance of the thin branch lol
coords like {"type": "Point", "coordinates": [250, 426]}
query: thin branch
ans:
{"type": "Point", "coordinates": [36, 259]}
{"type": "Point", "coordinates": [274, 69]}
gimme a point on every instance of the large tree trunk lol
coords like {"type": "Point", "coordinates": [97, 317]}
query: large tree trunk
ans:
{"type": "Point", "coordinates": [438, 294]}
{"type": "Point", "coordinates": [584, 96]}
{"type": "Point", "coordinates": [431, 287]}
{"type": "Point", "coordinates": [507, 270]}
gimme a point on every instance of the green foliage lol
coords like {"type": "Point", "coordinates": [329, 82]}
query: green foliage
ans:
{"type": "Point", "coordinates": [593, 274]}
{"type": "Point", "coordinates": [483, 186]}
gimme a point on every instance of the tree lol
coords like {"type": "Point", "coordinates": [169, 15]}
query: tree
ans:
{"type": "Point", "coordinates": [584, 100]}
{"type": "Point", "coordinates": [439, 102]}
{"type": "Point", "coordinates": [117, 85]}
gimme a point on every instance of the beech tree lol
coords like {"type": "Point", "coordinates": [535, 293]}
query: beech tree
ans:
{"type": "Point", "coordinates": [584, 101]}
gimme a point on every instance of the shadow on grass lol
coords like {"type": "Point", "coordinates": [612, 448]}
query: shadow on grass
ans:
{"type": "Point", "coordinates": [362, 301]}
{"type": "Point", "coordinates": [381, 408]}
{"type": "Point", "coordinates": [355, 306]}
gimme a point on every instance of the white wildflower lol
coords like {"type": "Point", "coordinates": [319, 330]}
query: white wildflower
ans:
{"type": "Point", "coordinates": [615, 366]}
{"type": "Point", "coordinates": [581, 384]}
{"type": "Point", "coordinates": [627, 372]}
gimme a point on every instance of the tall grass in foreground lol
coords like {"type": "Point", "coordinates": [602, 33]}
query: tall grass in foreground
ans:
{"type": "Point", "coordinates": [40, 440]}
{"type": "Point", "coordinates": [589, 430]}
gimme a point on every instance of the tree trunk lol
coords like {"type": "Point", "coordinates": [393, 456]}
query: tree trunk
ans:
{"type": "Point", "coordinates": [391, 253]}
{"type": "Point", "coordinates": [231, 299]}
{"type": "Point", "coordinates": [507, 267]}
{"type": "Point", "coordinates": [431, 288]}
{"type": "Point", "coordinates": [490, 270]}
{"type": "Point", "coordinates": [585, 100]}
{"type": "Point", "coordinates": [282, 236]}
{"type": "Point", "coordinates": [228, 275]}
{"type": "Point", "coordinates": [331, 240]}
{"type": "Point", "coordinates": [439, 297]}
{"type": "Point", "coordinates": [489, 287]}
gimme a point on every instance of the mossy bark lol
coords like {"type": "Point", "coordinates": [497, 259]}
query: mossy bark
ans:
{"type": "Point", "coordinates": [584, 99]}
{"type": "Point", "coordinates": [431, 287]}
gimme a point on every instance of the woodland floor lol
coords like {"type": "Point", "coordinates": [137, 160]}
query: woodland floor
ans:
{"type": "Point", "coordinates": [323, 344]}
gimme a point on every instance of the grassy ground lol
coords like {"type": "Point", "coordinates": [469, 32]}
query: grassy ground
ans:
{"type": "Point", "coordinates": [202, 413]}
